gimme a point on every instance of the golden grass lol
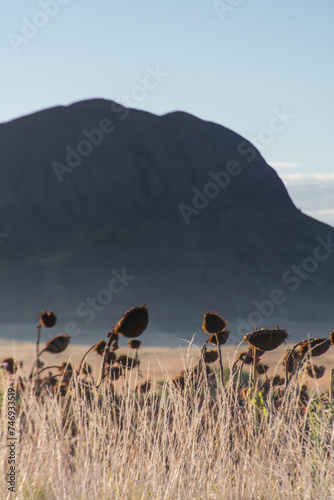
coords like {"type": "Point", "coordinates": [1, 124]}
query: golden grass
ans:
{"type": "Point", "coordinates": [159, 361]}
{"type": "Point", "coordinates": [170, 444]}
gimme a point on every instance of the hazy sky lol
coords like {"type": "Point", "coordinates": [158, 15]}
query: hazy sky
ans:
{"type": "Point", "coordinates": [237, 63]}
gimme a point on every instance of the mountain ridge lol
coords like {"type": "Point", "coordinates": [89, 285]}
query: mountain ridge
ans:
{"type": "Point", "coordinates": [236, 233]}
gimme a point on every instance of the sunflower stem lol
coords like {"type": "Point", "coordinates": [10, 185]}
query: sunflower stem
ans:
{"type": "Point", "coordinates": [255, 363]}
{"type": "Point", "coordinates": [47, 368]}
{"type": "Point", "coordinates": [38, 329]}
{"type": "Point", "coordinates": [84, 357]}
{"type": "Point", "coordinates": [331, 386]}
{"type": "Point", "coordinates": [255, 376]}
{"type": "Point", "coordinates": [220, 360]}
{"type": "Point", "coordinates": [103, 364]}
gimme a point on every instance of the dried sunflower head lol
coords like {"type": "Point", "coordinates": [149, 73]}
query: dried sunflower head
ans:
{"type": "Point", "coordinates": [292, 359]}
{"type": "Point", "coordinates": [110, 357]}
{"type": "Point", "coordinates": [47, 319]}
{"type": "Point", "coordinates": [222, 337]}
{"type": "Point", "coordinates": [134, 344]}
{"type": "Point", "coordinates": [133, 322]}
{"type": "Point", "coordinates": [63, 388]}
{"type": "Point", "coordinates": [145, 387]}
{"type": "Point", "coordinates": [66, 367]}
{"type": "Point", "coordinates": [8, 365]}
{"type": "Point", "coordinates": [213, 323]}
{"type": "Point", "coordinates": [315, 347]}
{"type": "Point", "coordinates": [52, 382]}
{"type": "Point", "coordinates": [126, 362]}
{"type": "Point", "coordinates": [57, 345]}
{"type": "Point", "coordinates": [179, 382]}
{"type": "Point", "coordinates": [277, 380]}
{"type": "Point", "coordinates": [114, 373]}
{"type": "Point", "coordinates": [262, 369]}
{"type": "Point", "coordinates": [266, 339]}
{"type": "Point", "coordinates": [248, 356]}
{"type": "Point", "coordinates": [303, 396]}
{"type": "Point", "coordinates": [210, 356]}
{"type": "Point", "coordinates": [99, 347]}
{"type": "Point", "coordinates": [315, 371]}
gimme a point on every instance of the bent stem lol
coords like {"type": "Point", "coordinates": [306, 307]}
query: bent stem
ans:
{"type": "Point", "coordinates": [103, 364]}
{"type": "Point", "coordinates": [255, 376]}
{"type": "Point", "coordinates": [38, 329]}
{"type": "Point", "coordinates": [255, 363]}
{"type": "Point", "coordinates": [84, 357]}
{"type": "Point", "coordinates": [287, 378]}
{"type": "Point", "coordinates": [220, 360]}
{"type": "Point", "coordinates": [47, 368]}
{"type": "Point", "coordinates": [331, 386]}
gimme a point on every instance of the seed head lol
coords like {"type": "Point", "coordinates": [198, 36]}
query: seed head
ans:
{"type": "Point", "coordinates": [213, 323]}
{"type": "Point", "coordinates": [222, 337]}
{"type": "Point", "coordinates": [110, 357]}
{"type": "Point", "coordinates": [145, 387]}
{"type": "Point", "coordinates": [210, 356]}
{"type": "Point", "coordinates": [134, 344]}
{"type": "Point", "coordinates": [66, 367]}
{"type": "Point", "coordinates": [47, 319]}
{"type": "Point", "coordinates": [277, 380]}
{"type": "Point", "coordinates": [133, 322]}
{"type": "Point", "coordinates": [8, 365]}
{"type": "Point", "coordinates": [315, 347]}
{"type": "Point", "coordinates": [248, 356]}
{"type": "Point", "coordinates": [127, 362]}
{"type": "Point", "coordinates": [99, 347]}
{"type": "Point", "coordinates": [262, 369]}
{"type": "Point", "coordinates": [295, 357]}
{"type": "Point", "coordinates": [315, 371]}
{"type": "Point", "coordinates": [179, 382]}
{"type": "Point", "coordinates": [57, 345]}
{"type": "Point", "coordinates": [114, 373]}
{"type": "Point", "coordinates": [266, 339]}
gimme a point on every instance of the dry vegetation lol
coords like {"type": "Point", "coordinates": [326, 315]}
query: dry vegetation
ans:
{"type": "Point", "coordinates": [209, 432]}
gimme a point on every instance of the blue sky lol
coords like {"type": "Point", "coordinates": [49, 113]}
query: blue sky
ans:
{"type": "Point", "coordinates": [234, 62]}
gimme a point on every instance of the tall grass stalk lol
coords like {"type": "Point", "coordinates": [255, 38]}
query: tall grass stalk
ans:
{"type": "Point", "coordinates": [191, 444]}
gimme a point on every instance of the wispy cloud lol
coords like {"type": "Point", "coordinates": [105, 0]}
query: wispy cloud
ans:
{"type": "Point", "coordinates": [284, 164]}
{"type": "Point", "coordinates": [313, 194]}
{"type": "Point", "coordinates": [303, 179]}
{"type": "Point", "coordinates": [328, 211]}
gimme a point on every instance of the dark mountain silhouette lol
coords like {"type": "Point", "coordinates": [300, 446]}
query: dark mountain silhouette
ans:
{"type": "Point", "coordinates": [187, 208]}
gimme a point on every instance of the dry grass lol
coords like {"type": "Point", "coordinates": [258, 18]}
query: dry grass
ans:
{"type": "Point", "coordinates": [156, 362]}
{"type": "Point", "coordinates": [158, 423]}
{"type": "Point", "coordinates": [169, 444]}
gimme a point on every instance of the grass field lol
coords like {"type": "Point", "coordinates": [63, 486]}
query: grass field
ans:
{"type": "Point", "coordinates": [73, 435]}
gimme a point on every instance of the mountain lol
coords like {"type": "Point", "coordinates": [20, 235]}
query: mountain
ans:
{"type": "Point", "coordinates": [106, 208]}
